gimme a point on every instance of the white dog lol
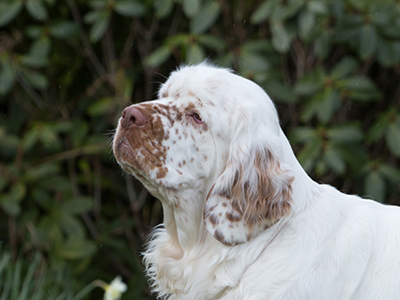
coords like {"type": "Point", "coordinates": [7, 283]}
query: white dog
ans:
{"type": "Point", "coordinates": [242, 219]}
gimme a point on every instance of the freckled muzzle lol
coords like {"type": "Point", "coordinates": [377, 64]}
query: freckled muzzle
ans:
{"type": "Point", "coordinates": [138, 142]}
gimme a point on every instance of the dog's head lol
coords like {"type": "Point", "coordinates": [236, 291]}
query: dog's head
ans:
{"type": "Point", "coordinates": [219, 134]}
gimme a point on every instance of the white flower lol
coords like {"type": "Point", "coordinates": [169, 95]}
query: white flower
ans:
{"type": "Point", "coordinates": [115, 289]}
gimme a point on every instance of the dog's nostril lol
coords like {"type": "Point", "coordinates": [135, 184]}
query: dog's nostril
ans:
{"type": "Point", "coordinates": [132, 116]}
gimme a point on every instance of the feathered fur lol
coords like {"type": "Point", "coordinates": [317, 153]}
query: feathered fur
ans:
{"type": "Point", "coordinates": [242, 219]}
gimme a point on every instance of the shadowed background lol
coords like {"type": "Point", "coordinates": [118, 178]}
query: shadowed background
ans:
{"type": "Point", "coordinates": [68, 214]}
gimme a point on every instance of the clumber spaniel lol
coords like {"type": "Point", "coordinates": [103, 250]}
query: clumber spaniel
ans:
{"type": "Point", "coordinates": [242, 219]}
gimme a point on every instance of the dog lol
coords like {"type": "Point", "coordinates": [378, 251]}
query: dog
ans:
{"type": "Point", "coordinates": [242, 219]}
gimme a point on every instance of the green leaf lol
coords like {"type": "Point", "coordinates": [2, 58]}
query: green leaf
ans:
{"type": "Point", "coordinates": [375, 186]}
{"type": "Point", "coordinates": [303, 135]}
{"type": "Point", "coordinates": [11, 207]}
{"type": "Point", "coordinates": [280, 37]}
{"type": "Point", "coordinates": [9, 11]}
{"type": "Point", "coordinates": [386, 53]}
{"type": "Point", "coordinates": [71, 225]}
{"type": "Point", "coordinates": [99, 26]}
{"type": "Point", "coordinates": [345, 134]}
{"type": "Point", "coordinates": [195, 54]}
{"type": "Point", "coordinates": [264, 11]}
{"type": "Point", "coordinates": [77, 205]}
{"type": "Point", "coordinates": [7, 76]}
{"type": "Point", "coordinates": [334, 160]}
{"type": "Point", "coordinates": [211, 42]}
{"type": "Point", "coordinates": [17, 192]}
{"type": "Point", "coordinates": [368, 41]}
{"type": "Point", "coordinates": [358, 83]}
{"type": "Point", "coordinates": [36, 79]}
{"type": "Point", "coordinates": [163, 8]}
{"type": "Point", "coordinates": [390, 173]}
{"type": "Point", "coordinates": [101, 106]}
{"type": "Point", "coordinates": [129, 8]}
{"type": "Point", "coordinates": [93, 16]}
{"type": "Point", "coordinates": [98, 4]}
{"type": "Point", "coordinates": [158, 57]}
{"type": "Point", "coordinates": [323, 44]}
{"type": "Point", "coordinates": [309, 154]}
{"type": "Point", "coordinates": [378, 129]}
{"type": "Point", "coordinates": [328, 105]}
{"type": "Point", "coordinates": [37, 9]}
{"type": "Point", "coordinates": [309, 84]}
{"type": "Point", "coordinates": [205, 18]}
{"type": "Point", "coordinates": [41, 172]}
{"type": "Point", "coordinates": [38, 53]}
{"type": "Point", "coordinates": [280, 92]}
{"type": "Point", "coordinates": [306, 23]}
{"type": "Point", "coordinates": [344, 68]}
{"type": "Point", "coordinates": [393, 138]}
{"type": "Point", "coordinates": [10, 202]}
{"type": "Point", "coordinates": [76, 248]}
{"type": "Point", "coordinates": [258, 46]}
{"type": "Point", "coordinates": [64, 29]}
{"type": "Point", "coordinates": [317, 7]}
{"type": "Point", "coordinates": [34, 32]}
{"type": "Point", "coordinates": [252, 62]}
{"type": "Point", "coordinates": [191, 7]}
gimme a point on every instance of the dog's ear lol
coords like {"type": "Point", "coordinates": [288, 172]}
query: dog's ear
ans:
{"type": "Point", "coordinates": [252, 194]}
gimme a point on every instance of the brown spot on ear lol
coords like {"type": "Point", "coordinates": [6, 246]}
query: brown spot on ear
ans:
{"type": "Point", "coordinates": [233, 218]}
{"type": "Point", "coordinates": [213, 219]}
{"type": "Point", "coordinates": [219, 236]}
{"type": "Point", "coordinates": [225, 194]}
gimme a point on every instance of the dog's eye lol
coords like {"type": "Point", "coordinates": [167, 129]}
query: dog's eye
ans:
{"type": "Point", "coordinates": [197, 118]}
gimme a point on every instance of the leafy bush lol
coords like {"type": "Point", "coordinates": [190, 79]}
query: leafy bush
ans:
{"type": "Point", "coordinates": [68, 68]}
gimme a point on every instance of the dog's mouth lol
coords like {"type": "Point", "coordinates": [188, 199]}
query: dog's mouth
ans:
{"type": "Point", "coordinates": [125, 155]}
{"type": "Point", "coordinates": [138, 155]}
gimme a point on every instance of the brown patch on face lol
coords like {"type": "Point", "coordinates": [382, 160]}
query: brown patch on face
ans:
{"type": "Point", "coordinates": [142, 147]}
{"type": "Point", "coordinates": [161, 172]}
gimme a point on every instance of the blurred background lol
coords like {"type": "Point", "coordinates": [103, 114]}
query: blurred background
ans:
{"type": "Point", "coordinates": [68, 214]}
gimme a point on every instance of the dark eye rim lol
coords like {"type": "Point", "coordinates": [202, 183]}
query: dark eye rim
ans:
{"type": "Point", "coordinates": [197, 118]}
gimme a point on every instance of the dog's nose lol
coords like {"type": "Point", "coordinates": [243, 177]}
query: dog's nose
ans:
{"type": "Point", "coordinates": [132, 116]}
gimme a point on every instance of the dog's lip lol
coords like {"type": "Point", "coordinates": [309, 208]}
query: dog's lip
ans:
{"type": "Point", "coordinates": [122, 148]}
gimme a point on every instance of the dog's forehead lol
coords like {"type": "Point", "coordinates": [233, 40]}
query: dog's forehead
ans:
{"type": "Point", "coordinates": [192, 81]}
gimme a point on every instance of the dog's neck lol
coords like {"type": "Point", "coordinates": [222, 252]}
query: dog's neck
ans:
{"type": "Point", "coordinates": [183, 219]}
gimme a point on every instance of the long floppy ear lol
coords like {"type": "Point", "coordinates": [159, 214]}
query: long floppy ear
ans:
{"type": "Point", "coordinates": [252, 194]}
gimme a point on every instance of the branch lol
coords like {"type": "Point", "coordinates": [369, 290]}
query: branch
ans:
{"type": "Point", "coordinates": [87, 46]}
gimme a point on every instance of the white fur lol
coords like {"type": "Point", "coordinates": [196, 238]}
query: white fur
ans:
{"type": "Point", "coordinates": [330, 246]}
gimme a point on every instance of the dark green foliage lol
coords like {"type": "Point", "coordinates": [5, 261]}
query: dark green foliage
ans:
{"type": "Point", "coordinates": [68, 68]}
